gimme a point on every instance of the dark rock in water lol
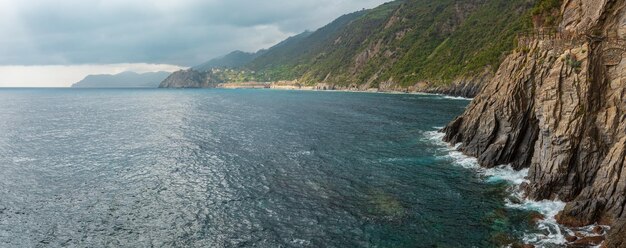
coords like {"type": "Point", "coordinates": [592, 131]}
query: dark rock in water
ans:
{"type": "Point", "coordinates": [570, 239]}
{"type": "Point", "coordinates": [598, 230]}
{"type": "Point", "coordinates": [522, 246]}
{"type": "Point", "coordinates": [502, 239]}
{"type": "Point", "coordinates": [536, 217]}
{"type": "Point", "coordinates": [588, 241]}
{"type": "Point", "coordinates": [560, 111]}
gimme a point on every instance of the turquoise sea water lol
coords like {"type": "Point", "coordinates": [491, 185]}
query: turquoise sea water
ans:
{"type": "Point", "coordinates": [240, 168]}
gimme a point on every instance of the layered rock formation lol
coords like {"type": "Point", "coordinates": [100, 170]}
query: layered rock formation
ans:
{"type": "Point", "coordinates": [558, 106]}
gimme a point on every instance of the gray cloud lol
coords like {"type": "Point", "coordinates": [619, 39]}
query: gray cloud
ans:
{"type": "Point", "coordinates": [183, 32]}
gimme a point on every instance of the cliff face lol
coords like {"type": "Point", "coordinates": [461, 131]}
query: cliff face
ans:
{"type": "Point", "coordinates": [558, 106]}
{"type": "Point", "coordinates": [190, 79]}
{"type": "Point", "coordinates": [468, 86]}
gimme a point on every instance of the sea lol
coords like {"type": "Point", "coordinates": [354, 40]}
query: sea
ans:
{"type": "Point", "coordinates": [250, 168]}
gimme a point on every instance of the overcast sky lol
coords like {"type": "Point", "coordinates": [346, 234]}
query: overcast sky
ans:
{"type": "Point", "coordinates": [50, 42]}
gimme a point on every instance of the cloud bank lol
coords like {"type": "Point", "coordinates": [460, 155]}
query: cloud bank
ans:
{"type": "Point", "coordinates": [175, 32]}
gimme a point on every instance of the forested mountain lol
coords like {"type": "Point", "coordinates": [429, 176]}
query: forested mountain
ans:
{"type": "Point", "coordinates": [234, 59]}
{"type": "Point", "coordinates": [403, 42]}
{"type": "Point", "coordinates": [400, 44]}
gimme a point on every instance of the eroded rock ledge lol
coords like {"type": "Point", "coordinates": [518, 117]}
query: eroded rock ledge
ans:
{"type": "Point", "coordinates": [558, 107]}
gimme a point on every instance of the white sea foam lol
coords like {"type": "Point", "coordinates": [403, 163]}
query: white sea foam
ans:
{"type": "Point", "coordinates": [422, 94]}
{"type": "Point", "coordinates": [550, 232]}
{"type": "Point", "coordinates": [464, 161]}
{"type": "Point", "coordinates": [508, 174]}
{"type": "Point", "coordinates": [457, 157]}
{"type": "Point", "coordinates": [442, 96]}
{"type": "Point", "coordinates": [435, 136]}
{"type": "Point", "coordinates": [456, 98]}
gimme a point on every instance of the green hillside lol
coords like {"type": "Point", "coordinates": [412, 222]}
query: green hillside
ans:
{"type": "Point", "coordinates": [404, 42]}
{"type": "Point", "coordinates": [232, 60]}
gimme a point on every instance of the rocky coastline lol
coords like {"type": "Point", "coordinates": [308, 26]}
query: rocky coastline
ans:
{"type": "Point", "coordinates": [558, 107]}
{"type": "Point", "coordinates": [466, 87]}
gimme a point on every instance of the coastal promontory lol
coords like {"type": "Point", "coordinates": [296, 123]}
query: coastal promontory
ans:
{"type": "Point", "coordinates": [557, 105]}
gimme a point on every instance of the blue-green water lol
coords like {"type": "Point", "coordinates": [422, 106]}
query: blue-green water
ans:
{"type": "Point", "coordinates": [238, 168]}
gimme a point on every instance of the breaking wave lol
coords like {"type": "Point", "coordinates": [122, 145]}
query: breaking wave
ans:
{"type": "Point", "coordinates": [458, 98]}
{"type": "Point", "coordinates": [548, 231]}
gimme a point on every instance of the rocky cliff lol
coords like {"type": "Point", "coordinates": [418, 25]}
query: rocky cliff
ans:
{"type": "Point", "coordinates": [191, 79]}
{"type": "Point", "coordinates": [558, 106]}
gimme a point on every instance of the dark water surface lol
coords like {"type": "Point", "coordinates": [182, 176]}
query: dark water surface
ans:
{"type": "Point", "coordinates": [236, 168]}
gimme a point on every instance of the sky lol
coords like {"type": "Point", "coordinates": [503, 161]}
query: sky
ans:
{"type": "Point", "coordinates": [54, 43]}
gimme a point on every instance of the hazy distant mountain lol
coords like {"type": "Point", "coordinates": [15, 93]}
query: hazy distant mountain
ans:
{"type": "Point", "coordinates": [123, 80]}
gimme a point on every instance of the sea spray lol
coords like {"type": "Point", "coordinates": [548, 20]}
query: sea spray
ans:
{"type": "Point", "coordinates": [549, 232]}
{"type": "Point", "coordinates": [456, 98]}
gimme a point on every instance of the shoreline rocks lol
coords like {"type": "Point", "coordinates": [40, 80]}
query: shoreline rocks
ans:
{"type": "Point", "coordinates": [558, 109]}
{"type": "Point", "coordinates": [464, 87]}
